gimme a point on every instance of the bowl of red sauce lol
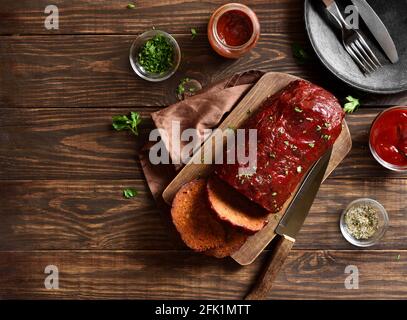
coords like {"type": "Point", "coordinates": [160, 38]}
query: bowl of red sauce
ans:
{"type": "Point", "coordinates": [233, 30]}
{"type": "Point", "coordinates": [388, 138]}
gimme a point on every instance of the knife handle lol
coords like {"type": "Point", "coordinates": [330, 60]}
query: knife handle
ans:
{"type": "Point", "coordinates": [264, 283]}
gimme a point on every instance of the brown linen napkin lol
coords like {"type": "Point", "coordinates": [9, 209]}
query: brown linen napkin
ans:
{"type": "Point", "coordinates": [204, 110]}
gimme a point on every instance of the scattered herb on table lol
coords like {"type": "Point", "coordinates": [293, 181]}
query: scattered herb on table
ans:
{"type": "Point", "coordinates": [129, 193]}
{"type": "Point", "coordinates": [125, 123]}
{"type": "Point", "coordinates": [351, 105]}
{"type": "Point", "coordinates": [398, 257]}
{"type": "Point", "coordinates": [362, 221]}
{"type": "Point", "coordinates": [131, 6]}
{"type": "Point", "coordinates": [299, 53]}
{"type": "Point", "coordinates": [156, 55]}
{"type": "Point", "coordinates": [193, 33]}
{"type": "Point", "coordinates": [181, 86]}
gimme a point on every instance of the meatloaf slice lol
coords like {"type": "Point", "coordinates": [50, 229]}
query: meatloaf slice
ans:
{"type": "Point", "coordinates": [194, 219]}
{"type": "Point", "coordinates": [233, 208]}
{"type": "Point", "coordinates": [295, 127]}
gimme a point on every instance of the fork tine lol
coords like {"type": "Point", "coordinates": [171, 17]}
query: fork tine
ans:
{"type": "Point", "coordinates": [356, 59]}
{"type": "Point", "coordinates": [361, 57]}
{"type": "Point", "coordinates": [365, 54]}
{"type": "Point", "coordinates": [369, 51]}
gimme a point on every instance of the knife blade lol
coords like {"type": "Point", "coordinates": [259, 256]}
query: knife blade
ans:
{"type": "Point", "coordinates": [289, 226]}
{"type": "Point", "coordinates": [300, 205]}
{"type": "Point", "coordinates": [377, 28]}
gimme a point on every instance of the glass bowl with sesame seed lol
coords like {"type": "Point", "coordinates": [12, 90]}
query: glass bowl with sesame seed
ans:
{"type": "Point", "coordinates": [364, 222]}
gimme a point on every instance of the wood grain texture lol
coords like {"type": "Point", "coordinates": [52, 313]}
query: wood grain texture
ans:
{"type": "Point", "coordinates": [113, 17]}
{"type": "Point", "coordinates": [265, 282]}
{"type": "Point", "coordinates": [72, 71]}
{"type": "Point", "coordinates": [156, 275]}
{"type": "Point", "coordinates": [80, 144]}
{"type": "Point", "coordinates": [93, 215]}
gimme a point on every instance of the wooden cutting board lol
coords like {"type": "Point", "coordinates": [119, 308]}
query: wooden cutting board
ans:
{"type": "Point", "coordinates": [269, 84]}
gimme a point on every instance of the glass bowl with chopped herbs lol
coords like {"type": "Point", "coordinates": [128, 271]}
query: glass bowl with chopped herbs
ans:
{"type": "Point", "coordinates": [155, 55]}
{"type": "Point", "coordinates": [364, 222]}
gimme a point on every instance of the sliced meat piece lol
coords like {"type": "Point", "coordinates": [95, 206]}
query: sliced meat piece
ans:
{"type": "Point", "coordinates": [194, 218]}
{"type": "Point", "coordinates": [234, 208]}
{"type": "Point", "coordinates": [234, 240]}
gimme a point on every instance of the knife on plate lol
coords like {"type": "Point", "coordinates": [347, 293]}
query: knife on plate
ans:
{"type": "Point", "coordinates": [289, 226]}
{"type": "Point", "coordinates": [377, 28]}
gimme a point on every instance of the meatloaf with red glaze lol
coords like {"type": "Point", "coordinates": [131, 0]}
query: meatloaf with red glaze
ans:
{"type": "Point", "coordinates": [294, 128]}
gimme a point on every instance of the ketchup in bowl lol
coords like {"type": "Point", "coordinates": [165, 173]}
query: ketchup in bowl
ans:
{"type": "Point", "coordinates": [388, 138]}
{"type": "Point", "coordinates": [233, 30]}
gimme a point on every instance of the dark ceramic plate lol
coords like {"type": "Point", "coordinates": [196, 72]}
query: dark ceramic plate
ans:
{"type": "Point", "coordinates": [325, 39]}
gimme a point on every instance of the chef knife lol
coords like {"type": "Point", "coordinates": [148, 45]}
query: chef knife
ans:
{"type": "Point", "coordinates": [289, 226]}
{"type": "Point", "coordinates": [377, 28]}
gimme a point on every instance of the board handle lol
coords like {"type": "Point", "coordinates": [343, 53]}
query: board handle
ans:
{"type": "Point", "coordinates": [264, 283]}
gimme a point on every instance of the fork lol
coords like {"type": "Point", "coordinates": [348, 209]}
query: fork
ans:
{"type": "Point", "coordinates": [353, 41]}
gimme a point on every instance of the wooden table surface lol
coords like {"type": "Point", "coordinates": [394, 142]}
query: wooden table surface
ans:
{"type": "Point", "coordinates": [63, 168]}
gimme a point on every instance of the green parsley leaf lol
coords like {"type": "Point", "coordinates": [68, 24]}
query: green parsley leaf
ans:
{"type": "Point", "coordinates": [311, 145]}
{"type": "Point", "coordinates": [181, 86]}
{"type": "Point", "coordinates": [193, 33]}
{"type": "Point", "coordinates": [299, 53]}
{"type": "Point", "coordinates": [131, 6]}
{"type": "Point", "coordinates": [129, 193]}
{"type": "Point", "coordinates": [352, 105]}
{"type": "Point", "coordinates": [398, 257]}
{"type": "Point", "coordinates": [298, 109]}
{"type": "Point", "coordinates": [123, 122]}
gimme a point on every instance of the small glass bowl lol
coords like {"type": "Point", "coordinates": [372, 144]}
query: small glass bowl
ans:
{"type": "Point", "coordinates": [139, 70]}
{"type": "Point", "coordinates": [383, 162]}
{"type": "Point", "coordinates": [383, 223]}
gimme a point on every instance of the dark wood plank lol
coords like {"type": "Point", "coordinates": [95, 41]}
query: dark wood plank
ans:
{"type": "Point", "coordinates": [112, 16]}
{"type": "Point", "coordinates": [94, 215]}
{"type": "Point", "coordinates": [184, 275]}
{"type": "Point", "coordinates": [94, 71]}
{"type": "Point", "coordinates": [80, 144]}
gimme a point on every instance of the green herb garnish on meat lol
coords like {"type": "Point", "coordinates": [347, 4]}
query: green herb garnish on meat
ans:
{"type": "Point", "coordinates": [125, 123]}
{"type": "Point", "coordinates": [131, 6]}
{"type": "Point", "coordinates": [129, 193]}
{"type": "Point", "coordinates": [352, 105]}
{"type": "Point", "coordinates": [156, 55]}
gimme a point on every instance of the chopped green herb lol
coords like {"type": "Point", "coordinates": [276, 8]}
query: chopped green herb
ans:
{"type": "Point", "coordinates": [272, 155]}
{"type": "Point", "coordinates": [286, 143]}
{"type": "Point", "coordinates": [191, 90]}
{"type": "Point", "coordinates": [327, 125]}
{"type": "Point", "coordinates": [319, 128]}
{"type": "Point", "coordinates": [131, 6]}
{"type": "Point", "coordinates": [299, 169]}
{"type": "Point", "coordinates": [125, 123]}
{"type": "Point", "coordinates": [281, 130]}
{"type": "Point", "coordinates": [352, 105]}
{"type": "Point", "coordinates": [156, 55]}
{"type": "Point", "coordinates": [129, 193]}
{"type": "Point", "coordinates": [299, 53]}
{"type": "Point", "coordinates": [326, 137]}
{"type": "Point", "coordinates": [274, 194]}
{"type": "Point", "coordinates": [398, 257]}
{"type": "Point", "coordinates": [297, 109]}
{"type": "Point", "coordinates": [181, 86]}
{"type": "Point", "coordinates": [311, 145]}
{"type": "Point", "coordinates": [193, 33]}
